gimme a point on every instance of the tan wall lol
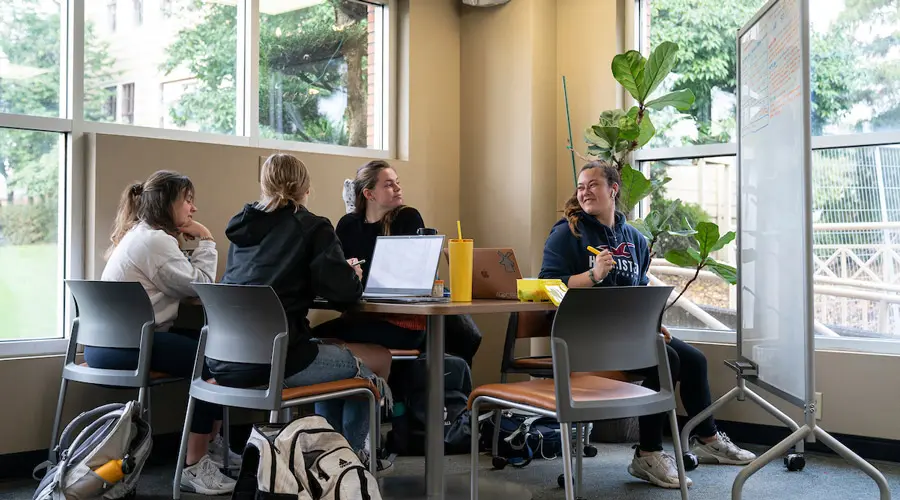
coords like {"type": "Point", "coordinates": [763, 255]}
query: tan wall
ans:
{"type": "Point", "coordinates": [226, 177]}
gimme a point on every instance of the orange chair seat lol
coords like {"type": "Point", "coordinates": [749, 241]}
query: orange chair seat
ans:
{"type": "Point", "coordinates": [324, 388]}
{"type": "Point", "coordinates": [541, 363]}
{"type": "Point", "coordinates": [153, 375]}
{"type": "Point", "coordinates": [541, 394]}
{"type": "Point", "coordinates": [405, 353]}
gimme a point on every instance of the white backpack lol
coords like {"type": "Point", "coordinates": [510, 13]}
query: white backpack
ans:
{"type": "Point", "coordinates": [108, 433]}
{"type": "Point", "coordinates": [306, 459]}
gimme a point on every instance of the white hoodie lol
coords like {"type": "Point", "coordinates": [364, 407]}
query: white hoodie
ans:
{"type": "Point", "coordinates": [153, 258]}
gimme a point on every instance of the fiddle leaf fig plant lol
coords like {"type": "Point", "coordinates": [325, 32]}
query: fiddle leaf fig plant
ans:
{"type": "Point", "coordinates": [618, 133]}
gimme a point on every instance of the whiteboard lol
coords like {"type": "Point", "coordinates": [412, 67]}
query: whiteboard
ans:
{"type": "Point", "coordinates": [774, 222]}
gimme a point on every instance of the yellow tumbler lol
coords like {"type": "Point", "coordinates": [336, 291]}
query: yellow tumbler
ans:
{"type": "Point", "coordinates": [461, 254]}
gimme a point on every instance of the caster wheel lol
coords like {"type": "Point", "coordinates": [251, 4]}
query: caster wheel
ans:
{"type": "Point", "coordinates": [691, 461]}
{"type": "Point", "coordinates": [794, 462]}
{"type": "Point", "coordinates": [499, 463]}
{"type": "Point", "coordinates": [590, 451]}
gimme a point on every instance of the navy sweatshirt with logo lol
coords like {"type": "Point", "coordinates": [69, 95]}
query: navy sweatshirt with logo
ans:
{"type": "Point", "coordinates": [566, 254]}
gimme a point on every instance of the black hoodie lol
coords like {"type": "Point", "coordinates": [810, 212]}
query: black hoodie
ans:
{"type": "Point", "coordinates": [566, 254]}
{"type": "Point", "coordinates": [296, 253]}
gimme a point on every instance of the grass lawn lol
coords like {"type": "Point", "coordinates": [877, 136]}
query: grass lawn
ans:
{"type": "Point", "coordinates": [29, 305]}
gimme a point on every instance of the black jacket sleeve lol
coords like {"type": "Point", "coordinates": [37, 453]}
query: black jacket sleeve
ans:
{"type": "Point", "coordinates": [332, 278]}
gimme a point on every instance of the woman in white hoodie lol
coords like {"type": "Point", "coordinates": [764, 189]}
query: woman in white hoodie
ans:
{"type": "Point", "coordinates": [145, 249]}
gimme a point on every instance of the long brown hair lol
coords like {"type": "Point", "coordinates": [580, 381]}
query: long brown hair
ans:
{"type": "Point", "coordinates": [150, 202]}
{"type": "Point", "coordinates": [573, 210]}
{"type": "Point", "coordinates": [284, 179]}
{"type": "Point", "coordinates": [367, 178]}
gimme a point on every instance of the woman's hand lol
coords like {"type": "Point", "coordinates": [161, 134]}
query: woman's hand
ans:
{"type": "Point", "coordinates": [665, 333]}
{"type": "Point", "coordinates": [603, 264]}
{"type": "Point", "coordinates": [354, 263]}
{"type": "Point", "coordinates": [194, 230]}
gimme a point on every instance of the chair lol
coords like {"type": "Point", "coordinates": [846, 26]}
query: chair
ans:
{"type": "Point", "coordinates": [247, 324]}
{"type": "Point", "coordinates": [595, 330]}
{"type": "Point", "coordinates": [113, 314]}
{"type": "Point", "coordinates": [404, 354]}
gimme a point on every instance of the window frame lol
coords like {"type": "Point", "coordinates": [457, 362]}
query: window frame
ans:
{"type": "Point", "coordinates": [76, 132]}
{"type": "Point", "coordinates": [646, 156]}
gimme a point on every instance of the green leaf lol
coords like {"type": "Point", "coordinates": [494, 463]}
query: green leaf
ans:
{"type": "Point", "coordinates": [682, 232]}
{"type": "Point", "coordinates": [661, 62]}
{"type": "Point", "coordinates": [643, 227]}
{"type": "Point", "coordinates": [724, 240]}
{"type": "Point", "coordinates": [623, 145]}
{"type": "Point", "coordinates": [707, 236]}
{"type": "Point", "coordinates": [609, 135]}
{"type": "Point", "coordinates": [694, 254]}
{"type": "Point", "coordinates": [681, 258]}
{"type": "Point", "coordinates": [724, 271]}
{"type": "Point", "coordinates": [680, 99]}
{"type": "Point", "coordinates": [629, 129]}
{"type": "Point", "coordinates": [647, 131]}
{"type": "Point", "coordinates": [628, 70]}
{"type": "Point", "coordinates": [600, 152]}
{"type": "Point", "coordinates": [633, 189]}
{"type": "Point", "coordinates": [610, 118]}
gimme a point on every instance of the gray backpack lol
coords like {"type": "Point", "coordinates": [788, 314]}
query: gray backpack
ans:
{"type": "Point", "coordinates": [107, 434]}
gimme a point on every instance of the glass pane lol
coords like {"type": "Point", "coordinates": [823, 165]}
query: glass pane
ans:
{"type": "Point", "coordinates": [29, 234]}
{"type": "Point", "coordinates": [706, 188]}
{"type": "Point", "coordinates": [856, 66]}
{"type": "Point", "coordinates": [138, 51]}
{"type": "Point", "coordinates": [319, 71]}
{"type": "Point", "coordinates": [856, 241]}
{"type": "Point", "coordinates": [705, 31]}
{"type": "Point", "coordinates": [30, 57]}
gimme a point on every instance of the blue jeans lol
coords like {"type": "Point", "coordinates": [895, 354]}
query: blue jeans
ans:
{"type": "Point", "coordinates": [348, 416]}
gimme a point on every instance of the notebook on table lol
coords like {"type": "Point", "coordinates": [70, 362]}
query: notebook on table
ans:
{"type": "Point", "coordinates": [403, 269]}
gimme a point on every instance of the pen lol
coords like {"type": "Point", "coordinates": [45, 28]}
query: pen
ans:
{"type": "Point", "coordinates": [593, 250]}
{"type": "Point", "coordinates": [360, 262]}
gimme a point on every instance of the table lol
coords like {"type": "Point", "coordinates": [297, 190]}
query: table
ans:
{"type": "Point", "coordinates": [394, 486]}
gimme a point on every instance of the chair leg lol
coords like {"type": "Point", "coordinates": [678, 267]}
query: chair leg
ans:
{"type": "Point", "coordinates": [579, 453]}
{"type": "Point", "coordinates": [374, 431]}
{"type": "Point", "coordinates": [147, 409]}
{"type": "Point", "coordinates": [182, 449]}
{"type": "Point", "coordinates": [225, 436]}
{"type": "Point", "coordinates": [566, 437]}
{"type": "Point", "coordinates": [473, 468]}
{"type": "Point", "coordinates": [495, 440]}
{"type": "Point", "coordinates": [142, 398]}
{"type": "Point", "coordinates": [274, 416]}
{"type": "Point", "coordinates": [57, 419]}
{"type": "Point", "coordinates": [679, 456]}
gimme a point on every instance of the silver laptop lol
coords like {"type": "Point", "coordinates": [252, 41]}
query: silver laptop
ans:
{"type": "Point", "coordinates": [403, 269]}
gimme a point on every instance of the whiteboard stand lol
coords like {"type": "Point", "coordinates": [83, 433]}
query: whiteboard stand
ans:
{"type": "Point", "coordinates": [775, 335]}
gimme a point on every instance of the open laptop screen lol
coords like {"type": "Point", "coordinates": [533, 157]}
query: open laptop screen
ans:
{"type": "Point", "coordinates": [404, 265]}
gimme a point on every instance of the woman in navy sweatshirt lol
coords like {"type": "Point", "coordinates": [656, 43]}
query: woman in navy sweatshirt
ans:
{"type": "Point", "coordinates": [591, 219]}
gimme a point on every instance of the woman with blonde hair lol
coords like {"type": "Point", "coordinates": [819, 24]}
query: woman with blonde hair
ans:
{"type": "Point", "coordinates": [277, 241]}
{"type": "Point", "coordinates": [151, 217]}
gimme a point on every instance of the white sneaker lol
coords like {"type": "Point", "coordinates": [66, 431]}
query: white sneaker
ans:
{"type": "Point", "coordinates": [217, 450]}
{"type": "Point", "coordinates": [205, 478]}
{"type": "Point", "coordinates": [383, 465]}
{"type": "Point", "coordinates": [720, 451]}
{"type": "Point", "coordinates": [658, 468]}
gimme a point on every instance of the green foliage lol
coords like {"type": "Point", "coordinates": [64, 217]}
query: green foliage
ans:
{"type": "Point", "coordinates": [307, 57]}
{"type": "Point", "coordinates": [29, 224]}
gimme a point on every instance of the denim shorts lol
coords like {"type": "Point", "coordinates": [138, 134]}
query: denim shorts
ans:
{"type": "Point", "coordinates": [334, 362]}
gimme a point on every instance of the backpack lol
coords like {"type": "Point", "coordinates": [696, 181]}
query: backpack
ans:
{"type": "Point", "coordinates": [407, 436]}
{"type": "Point", "coordinates": [523, 437]}
{"type": "Point", "coordinates": [306, 459]}
{"type": "Point", "coordinates": [104, 460]}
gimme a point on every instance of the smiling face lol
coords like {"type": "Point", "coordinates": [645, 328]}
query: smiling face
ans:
{"type": "Point", "coordinates": [183, 209]}
{"type": "Point", "coordinates": [595, 195]}
{"type": "Point", "coordinates": [386, 194]}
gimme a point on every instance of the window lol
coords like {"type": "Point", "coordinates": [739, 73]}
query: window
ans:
{"type": "Point", "coordinates": [30, 173]}
{"type": "Point", "coordinates": [110, 107]}
{"type": "Point", "coordinates": [138, 12]}
{"type": "Point", "coordinates": [111, 14]}
{"type": "Point", "coordinates": [855, 177]}
{"type": "Point", "coordinates": [200, 43]}
{"type": "Point", "coordinates": [128, 103]}
{"type": "Point", "coordinates": [321, 71]}
{"type": "Point", "coordinates": [30, 52]}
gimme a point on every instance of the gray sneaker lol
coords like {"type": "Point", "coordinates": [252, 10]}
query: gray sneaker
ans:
{"type": "Point", "coordinates": [658, 468]}
{"type": "Point", "coordinates": [720, 451]}
{"type": "Point", "coordinates": [205, 478]}
{"type": "Point", "coordinates": [217, 451]}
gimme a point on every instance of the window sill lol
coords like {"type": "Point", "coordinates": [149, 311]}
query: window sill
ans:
{"type": "Point", "coordinates": [849, 345]}
{"type": "Point", "coordinates": [32, 348]}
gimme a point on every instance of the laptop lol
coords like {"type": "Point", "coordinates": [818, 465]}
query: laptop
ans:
{"type": "Point", "coordinates": [403, 269]}
{"type": "Point", "coordinates": [494, 273]}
